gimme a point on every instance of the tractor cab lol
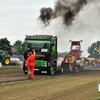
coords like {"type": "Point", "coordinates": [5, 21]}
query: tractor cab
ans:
{"type": "Point", "coordinates": [76, 49]}
{"type": "Point", "coordinates": [74, 62]}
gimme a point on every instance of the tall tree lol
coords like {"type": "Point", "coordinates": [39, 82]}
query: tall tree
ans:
{"type": "Point", "coordinates": [16, 46]}
{"type": "Point", "coordinates": [5, 45]}
{"type": "Point", "coordinates": [93, 50]}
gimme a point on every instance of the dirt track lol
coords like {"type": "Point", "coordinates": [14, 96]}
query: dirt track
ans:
{"type": "Point", "coordinates": [69, 86]}
{"type": "Point", "coordinates": [16, 74]}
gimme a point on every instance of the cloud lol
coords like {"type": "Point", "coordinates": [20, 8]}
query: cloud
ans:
{"type": "Point", "coordinates": [14, 16]}
{"type": "Point", "coordinates": [20, 17]}
{"type": "Point", "coordinates": [86, 27]}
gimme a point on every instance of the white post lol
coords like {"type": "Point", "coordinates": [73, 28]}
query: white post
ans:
{"type": "Point", "coordinates": [99, 86]}
{"type": "Point", "coordinates": [0, 64]}
{"type": "Point", "coordinates": [98, 98]}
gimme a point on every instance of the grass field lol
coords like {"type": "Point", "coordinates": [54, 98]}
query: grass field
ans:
{"type": "Point", "coordinates": [78, 87]}
{"type": "Point", "coordinates": [10, 67]}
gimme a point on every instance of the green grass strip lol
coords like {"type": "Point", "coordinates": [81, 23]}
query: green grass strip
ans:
{"type": "Point", "coordinates": [4, 67]}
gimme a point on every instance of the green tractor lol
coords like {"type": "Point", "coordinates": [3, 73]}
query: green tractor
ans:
{"type": "Point", "coordinates": [4, 58]}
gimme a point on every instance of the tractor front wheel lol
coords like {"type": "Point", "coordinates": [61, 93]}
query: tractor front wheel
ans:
{"type": "Point", "coordinates": [51, 71]}
{"type": "Point", "coordinates": [6, 61]}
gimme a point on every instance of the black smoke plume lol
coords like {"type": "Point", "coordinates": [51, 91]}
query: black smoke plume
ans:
{"type": "Point", "coordinates": [67, 9]}
{"type": "Point", "coordinates": [46, 14]}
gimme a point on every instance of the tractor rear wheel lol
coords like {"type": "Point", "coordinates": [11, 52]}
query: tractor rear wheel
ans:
{"type": "Point", "coordinates": [81, 69]}
{"type": "Point", "coordinates": [74, 68]}
{"type": "Point", "coordinates": [62, 70]}
{"type": "Point", "coordinates": [6, 61]}
{"type": "Point", "coordinates": [24, 68]}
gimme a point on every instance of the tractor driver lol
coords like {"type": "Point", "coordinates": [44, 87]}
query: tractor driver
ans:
{"type": "Point", "coordinates": [29, 49]}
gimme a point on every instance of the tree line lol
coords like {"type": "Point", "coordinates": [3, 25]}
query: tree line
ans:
{"type": "Point", "coordinates": [11, 49]}
{"type": "Point", "coordinates": [93, 50]}
{"type": "Point", "coordinates": [5, 45]}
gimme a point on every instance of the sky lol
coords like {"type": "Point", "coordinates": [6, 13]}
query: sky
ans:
{"type": "Point", "coordinates": [20, 17]}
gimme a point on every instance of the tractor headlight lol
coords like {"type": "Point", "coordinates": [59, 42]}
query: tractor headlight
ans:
{"type": "Point", "coordinates": [45, 63]}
